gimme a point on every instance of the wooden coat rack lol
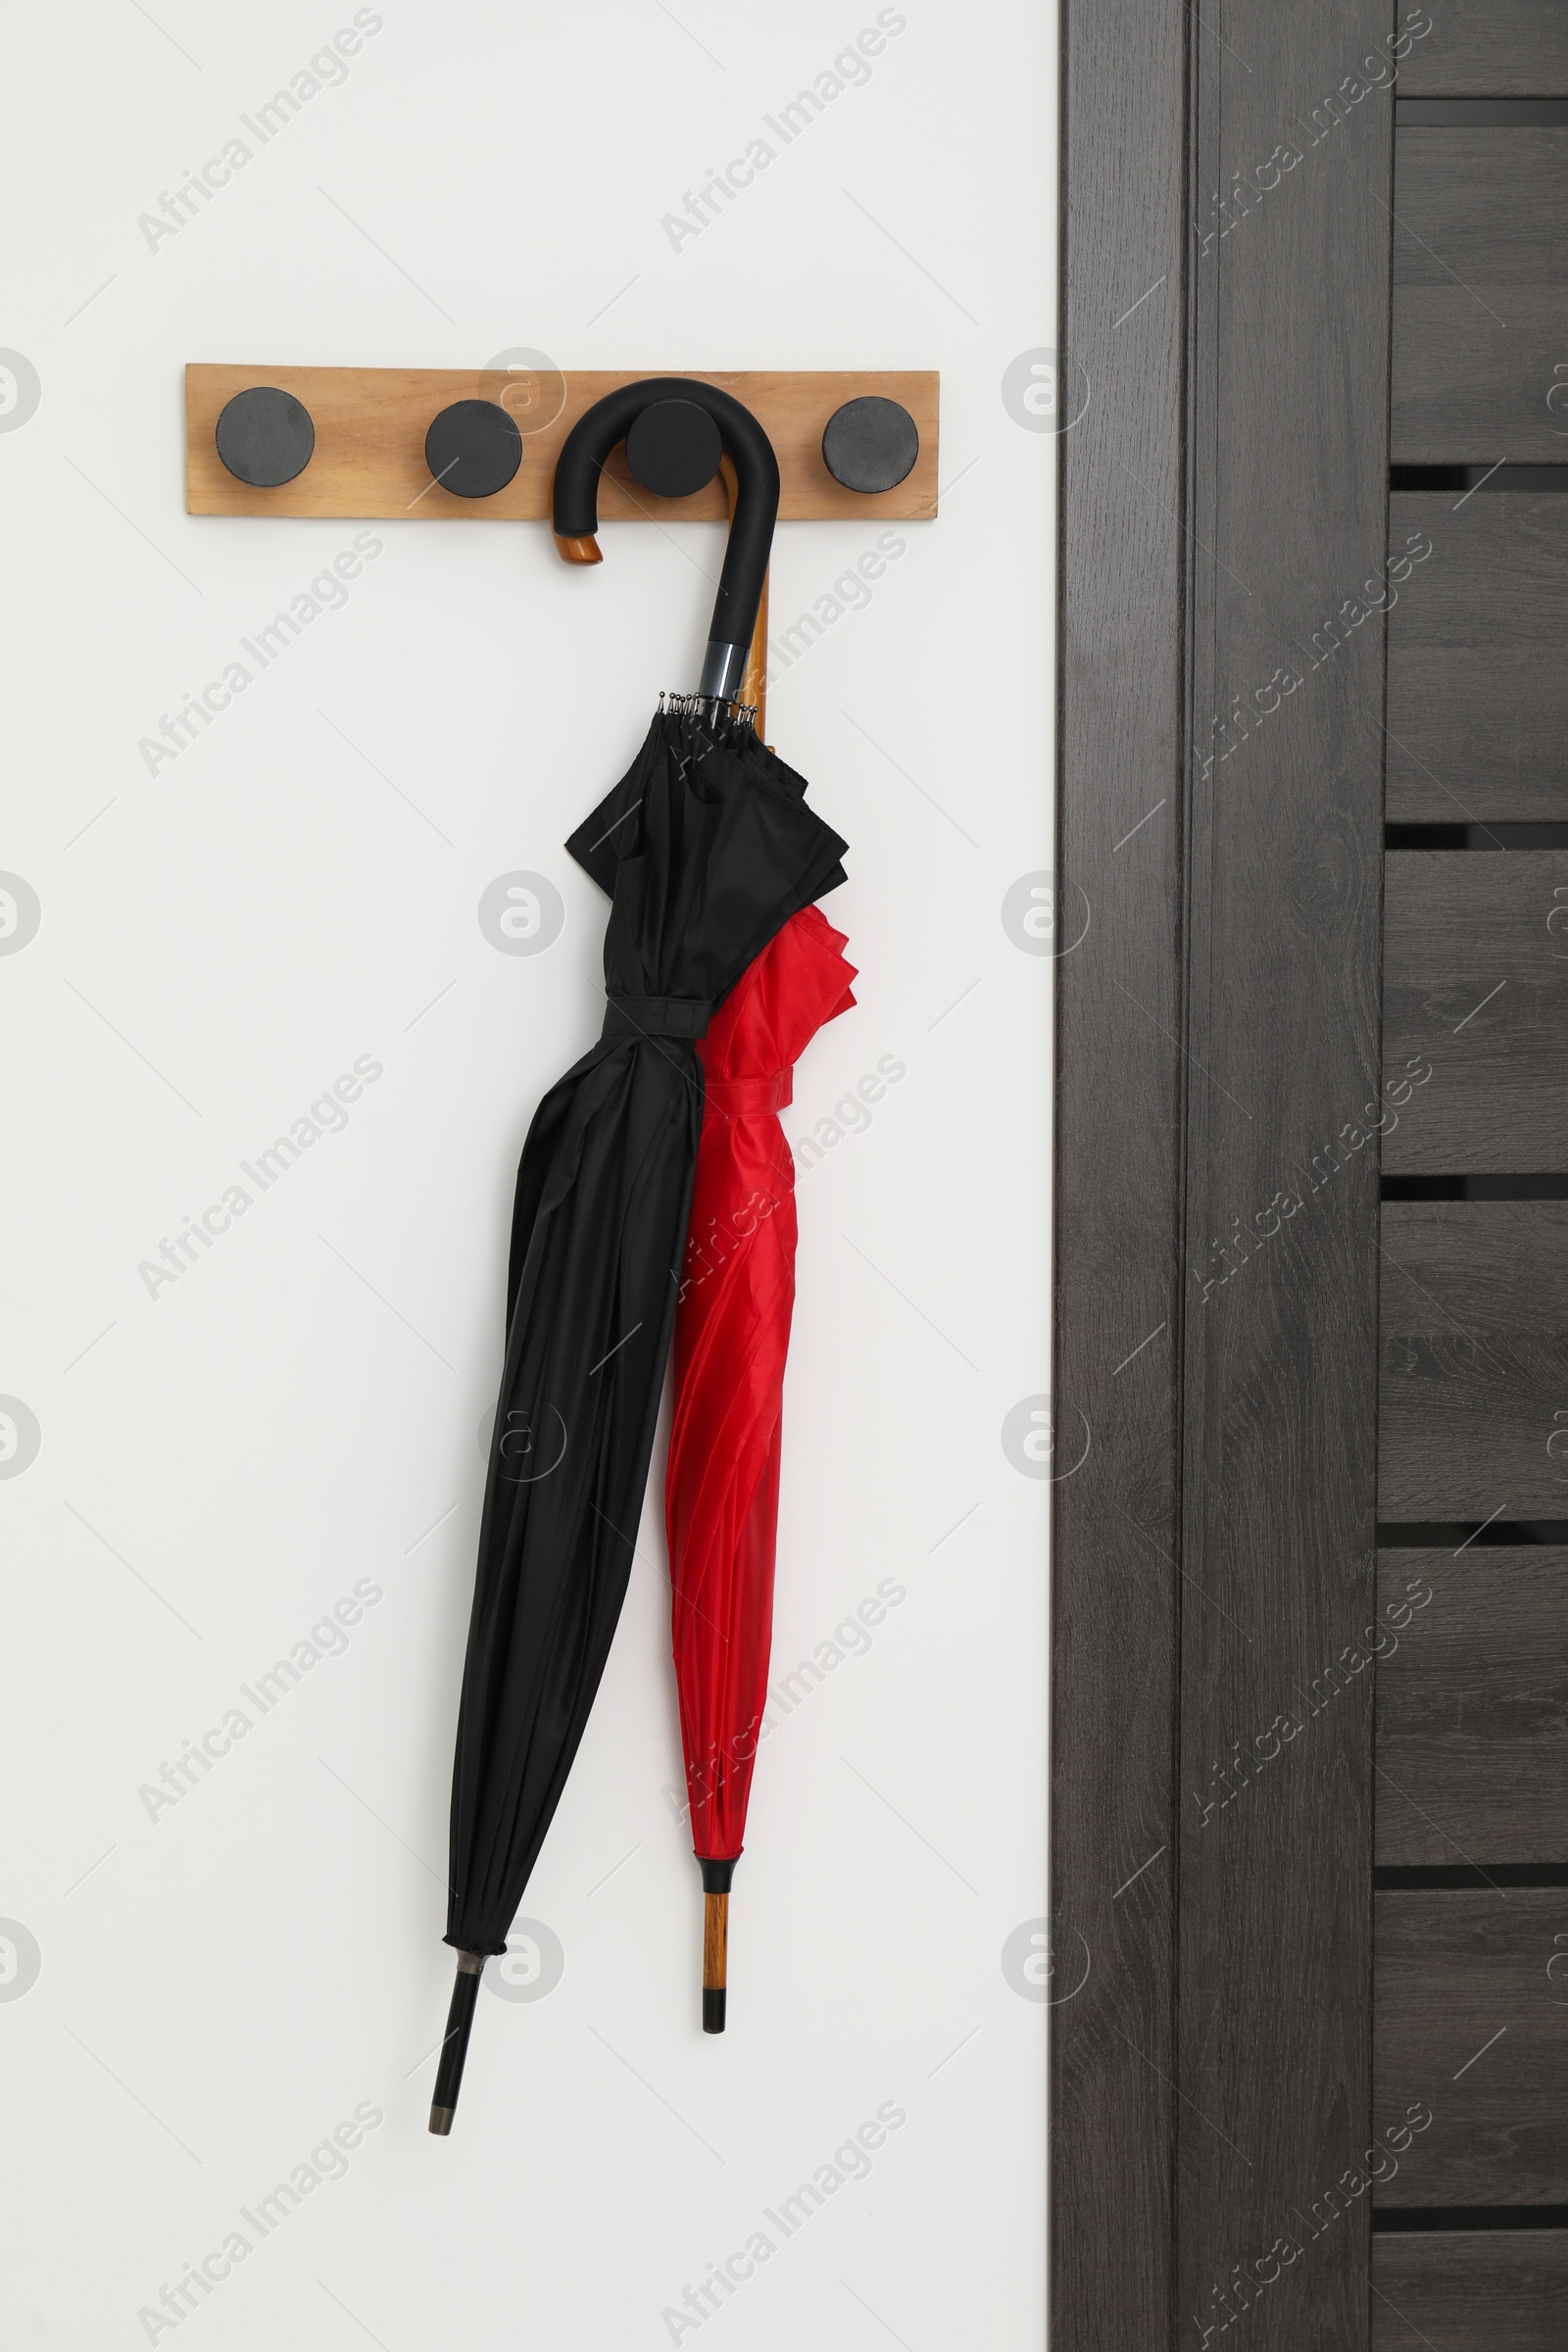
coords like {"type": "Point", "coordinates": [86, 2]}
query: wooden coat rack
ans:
{"type": "Point", "coordinates": [356, 439]}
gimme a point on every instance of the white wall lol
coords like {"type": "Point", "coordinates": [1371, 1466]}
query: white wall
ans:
{"type": "Point", "coordinates": [220, 1985]}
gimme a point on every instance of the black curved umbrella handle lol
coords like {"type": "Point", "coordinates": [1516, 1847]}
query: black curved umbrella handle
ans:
{"type": "Point", "coordinates": [575, 508]}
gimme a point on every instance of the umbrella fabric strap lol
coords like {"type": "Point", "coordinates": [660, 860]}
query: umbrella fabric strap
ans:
{"type": "Point", "coordinates": [656, 1016]}
{"type": "Point", "coordinates": [750, 1098]}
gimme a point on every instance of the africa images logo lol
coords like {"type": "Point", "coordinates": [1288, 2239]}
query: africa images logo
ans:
{"type": "Point", "coordinates": [19, 1437]}
{"type": "Point", "coordinates": [20, 391]}
{"type": "Point", "coordinates": [20, 914]}
{"type": "Point", "coordinates": [327, 70]}
{"type": "Point", "coordinates": [328, 592]}
{"type": "Point", "coordinates": [21, 1960]}
{"type": "Point", "coordinates": [1045, 391]}
{"type": "Point", "coordinates": [851, 70]}
{"type": "Point", "coordinates": [328, 2161]}
{"type": "Point", "coordinates": [328, 1116]}
{"type": "Point", "coordinates": [521, 914]}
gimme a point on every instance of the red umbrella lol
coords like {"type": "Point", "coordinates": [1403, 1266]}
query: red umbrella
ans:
{"type": "Point", "coordinates": [732, 1330]}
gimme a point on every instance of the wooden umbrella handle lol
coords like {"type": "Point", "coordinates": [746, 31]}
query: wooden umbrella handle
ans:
{"type": "Point", "coordinates": [717, 1881]}
{"type": "Point", "coordinates": [754, 686]}
{"type": "Point", "coordinates": [715, 1960]}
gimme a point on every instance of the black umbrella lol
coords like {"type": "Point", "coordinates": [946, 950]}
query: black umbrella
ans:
{"type": "Point", "coordinates": [706, 847]}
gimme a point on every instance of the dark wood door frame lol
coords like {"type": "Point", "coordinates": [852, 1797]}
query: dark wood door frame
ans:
{"type": "Point", "coordinates": [1226, 242]}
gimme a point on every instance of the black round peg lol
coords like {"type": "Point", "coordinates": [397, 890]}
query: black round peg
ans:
{"type": "Point", "coordinates": [473, 448]}
{"type": "Point", "coordinates": [673, 448]}
{"type": "Point", "coordinates": [870, 444]}
{"type": "Point", "coordinates": [266, 438]}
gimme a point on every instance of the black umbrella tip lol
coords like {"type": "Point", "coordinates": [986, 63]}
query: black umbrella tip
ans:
{"type": "Point", "coordinates": [713, 1999]}
{"type": "Point", "coordinates": [454, 2047]}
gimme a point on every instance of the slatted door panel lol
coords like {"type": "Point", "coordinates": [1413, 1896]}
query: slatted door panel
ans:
{"type": "Point", "coordinates": [1471, 1742]}
{"type": "Point", "coordinates": [1470, 2290]}
{"type": "Point", "coordinates": [1478, 652]}
{"type": "Point", "coordinates": [1473, 1398]}
{"type": "Point", "coordinates": [1475, 1006]}
{"type": "Point", "coordinates": [1470, 2034]}
{"type": "Point", "coordinates": [1472, 1708]}
{"type": "Point", "coordinates": [1480, 289]}
{"type": "Point", "coordinates": [1488, 49]}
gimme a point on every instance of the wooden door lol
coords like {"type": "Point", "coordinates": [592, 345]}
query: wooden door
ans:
{"type": "Point", "coordinates": [1310, 1695]}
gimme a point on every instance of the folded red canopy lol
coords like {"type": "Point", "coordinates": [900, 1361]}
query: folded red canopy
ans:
{"type": "Point", "coordinates": [732, 1330]}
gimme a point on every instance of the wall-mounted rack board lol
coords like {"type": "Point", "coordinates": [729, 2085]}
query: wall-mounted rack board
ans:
{"type": "Point", "coordinates": [371, 425]}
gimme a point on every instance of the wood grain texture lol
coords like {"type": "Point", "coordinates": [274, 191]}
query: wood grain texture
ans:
{"type": "Point", "coordinates": [754, 682]}
{"type": "Point", "coordinates": [1114, 1582]}
{"type": "Point", "coordinates": [1472, 1706]}
{"type": "Point", "coordinates": [1473, 1397]}
{"type": "Point", "coordinates": [1470, 2290]}
{"type": "Point", "coordinates": [371, 425]}
{"type": "Point", "coordinates": [1475, 986]}
{"type": "Point", "coordinates": [715, 1941]}
{"type": "Point", "coordinates": [1480, 284]}
{"type": "Point", "coordinates": [1289, 520]}
{"type": "Point", "coordinates": [1456, 1971]}
{"type": "Point", "coordinates": [1490, 49]}
{"type": "Point", "coordinates": [1478, 686]}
